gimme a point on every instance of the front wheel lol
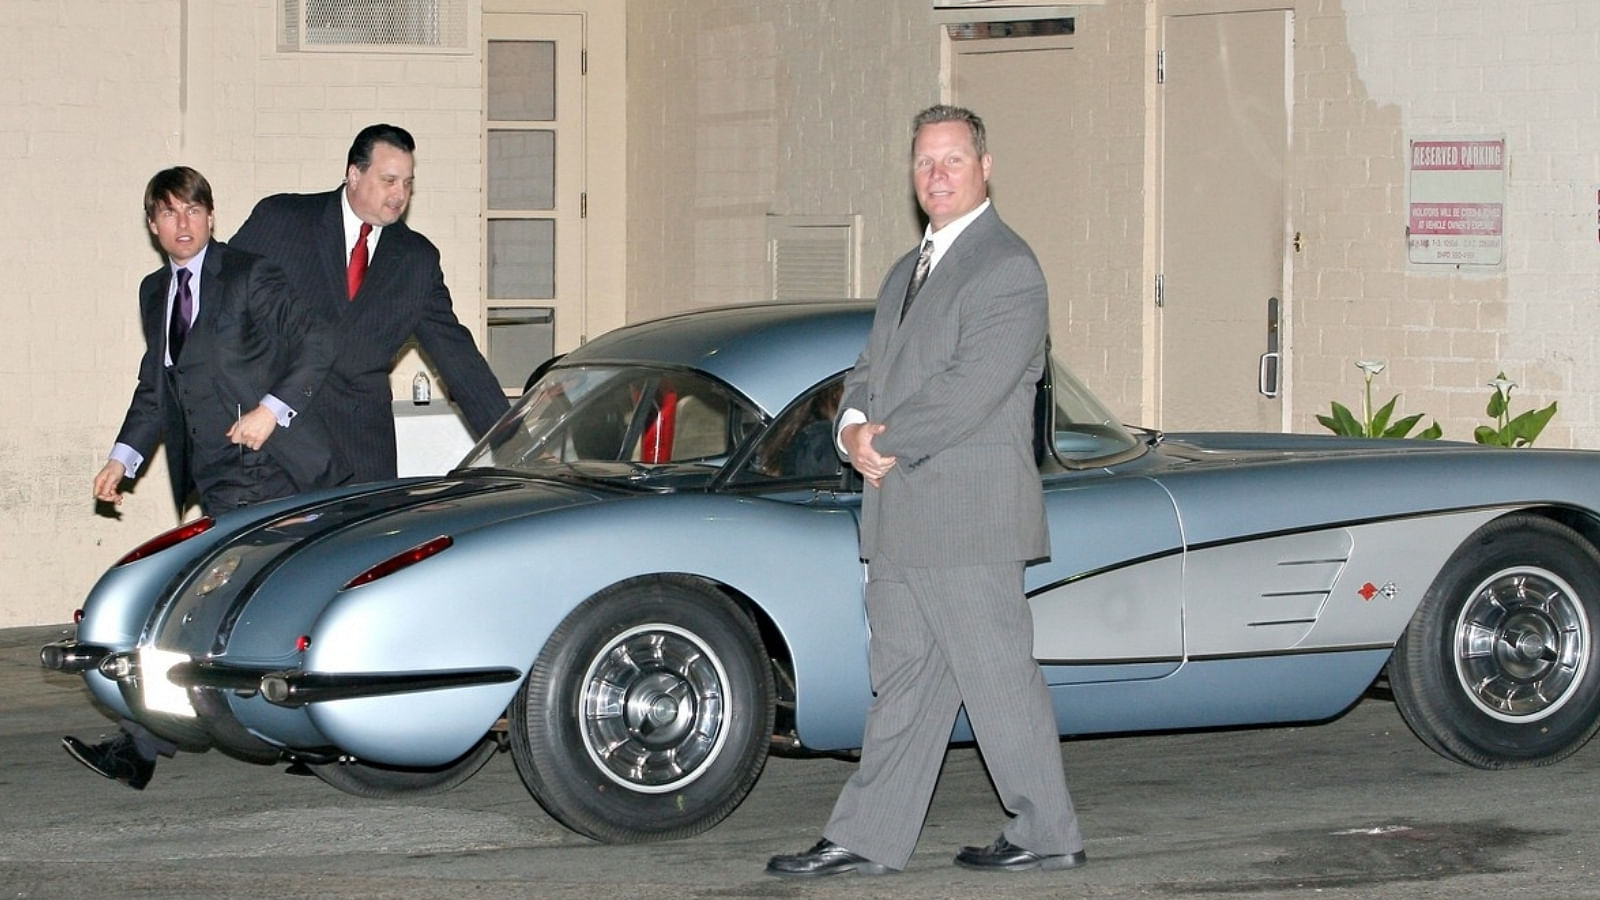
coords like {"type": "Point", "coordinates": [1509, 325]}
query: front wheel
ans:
{"type": "Point", "coordinates": [648, 714]}
{"type": "Point", "coordinates": [1498, 667]}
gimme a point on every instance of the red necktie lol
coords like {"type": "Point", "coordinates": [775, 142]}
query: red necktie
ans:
{"type": "Point", "coordinates": [358, 261]}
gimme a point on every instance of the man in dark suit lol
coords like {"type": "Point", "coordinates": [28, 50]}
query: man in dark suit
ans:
{"type": "Point", "coordinates": [231, 361]}
{"type": "Point", "coordinates": [937, 415]}
{"type": "Point", "coordinates": [349, 253]}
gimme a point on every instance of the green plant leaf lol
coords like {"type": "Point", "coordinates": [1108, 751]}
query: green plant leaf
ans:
{"type": "Point", "coordinates": [1483, 434]}
{"type": "Point", "coordinates": [1402, 427]}
{"type": "Point", "coordinates": [1342, 422]}
{"type": "Point", "coordinates": [1526, 427]}
{"type": "Point", "coordinates": [1379, 425]}
{"type": "Point", "coordinates": [1497, 404]}
{"type": "Point", "coordinates": [1431, 433]}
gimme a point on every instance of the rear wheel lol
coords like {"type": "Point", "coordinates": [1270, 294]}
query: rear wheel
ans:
{"type": "Point", "coordinates": [1500, 667]}
{"type": "Point", "coordinates": [648, 714]}
{"type": "Point", "coordinates": [378, 782]}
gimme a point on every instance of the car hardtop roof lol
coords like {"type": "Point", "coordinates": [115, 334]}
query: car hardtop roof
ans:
{"type": "Point", "coordinates": [769, 351]}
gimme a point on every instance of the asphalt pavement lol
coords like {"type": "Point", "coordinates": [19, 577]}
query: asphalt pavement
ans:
{"type": "Point", "coordinates": [1353, 808]}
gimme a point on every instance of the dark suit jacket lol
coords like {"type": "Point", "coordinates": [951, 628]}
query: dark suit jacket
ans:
{"type": "Point", "coordinates": [403, 295]}
{"type": "Point", "coordinates": [955, 385]}
{"type": "Point", "coordinates": [250, 339]}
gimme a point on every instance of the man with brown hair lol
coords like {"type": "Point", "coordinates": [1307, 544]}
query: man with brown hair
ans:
{"type": "Point", "coordinates": [231, 362]}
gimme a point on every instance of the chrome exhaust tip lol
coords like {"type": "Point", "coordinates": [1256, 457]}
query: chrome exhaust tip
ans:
{"type": "Point", "coordinates": [71, 656]}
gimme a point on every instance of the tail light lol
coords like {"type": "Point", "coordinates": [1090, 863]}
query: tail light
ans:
{"type": "Point", "coordinates": [168, 538]}
{"type": "Point", "coordinates": [400, 560]}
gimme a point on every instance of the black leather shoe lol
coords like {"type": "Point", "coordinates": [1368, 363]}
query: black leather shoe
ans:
{"type": "Point", "coordinates": [826, 858]}
{"type": "Point", "coordinates": [1004, 856]}
{"type": "Point", "coordinates": [117, 759]}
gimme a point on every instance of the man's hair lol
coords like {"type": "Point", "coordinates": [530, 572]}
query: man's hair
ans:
{"type": "Point", "coordinates": [941, 113]}
{"type": "Point", "coordinates": [360, 154]}
{"type": "Point", "coordinates": [174, 186]}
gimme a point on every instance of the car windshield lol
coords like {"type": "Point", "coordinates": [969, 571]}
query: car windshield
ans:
{"type": "Point", "coordinates": [1085, 432]}
{"type": "Point", "coordinates": [627, 422]}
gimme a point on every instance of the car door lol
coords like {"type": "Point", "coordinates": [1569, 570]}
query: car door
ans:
{"type": "Point", "coordinates": [1108, 603]}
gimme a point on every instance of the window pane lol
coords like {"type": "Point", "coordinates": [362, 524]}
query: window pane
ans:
{"type": "Point", "coordinates": [800, 443]}
{"type": "Point", "coordinates": [522, 259]}
{"type": "Point", "coordinates": [522, 169]}
{"type": "Point", "coordinates": [522, 81]}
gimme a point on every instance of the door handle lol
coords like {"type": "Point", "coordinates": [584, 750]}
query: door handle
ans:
{"type": "Point", "coordinates": [1267, 374]}
{"type": "Point", "coordinates": [1268, 367]}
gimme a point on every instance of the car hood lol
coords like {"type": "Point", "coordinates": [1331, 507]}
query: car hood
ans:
{"type": "Point", "coordinates": [246, 579]}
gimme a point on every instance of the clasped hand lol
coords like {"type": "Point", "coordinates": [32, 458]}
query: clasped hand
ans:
{"type": "Point", "coordinates": [857, 440]}
{"type": "Point", "coordinates": [253, 428]}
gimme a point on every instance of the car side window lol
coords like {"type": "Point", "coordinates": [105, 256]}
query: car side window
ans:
{"type": "Point", "coordinates": [600, 413]}
{"type": "Point", "coordinates": [799, 445]}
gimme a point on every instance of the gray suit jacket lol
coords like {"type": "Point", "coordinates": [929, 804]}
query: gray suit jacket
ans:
{"type": "Point", "coordinates": [955, 385]}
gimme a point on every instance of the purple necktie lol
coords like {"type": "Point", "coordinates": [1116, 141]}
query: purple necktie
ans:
{"type": "Point", "coordinates": [182, 313]}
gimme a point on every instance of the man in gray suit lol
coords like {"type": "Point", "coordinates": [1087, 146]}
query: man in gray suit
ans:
{"type": "Point", "coordinates": [938, 417]}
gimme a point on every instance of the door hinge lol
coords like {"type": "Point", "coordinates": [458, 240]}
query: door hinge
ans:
{"type": "Point", "coordinates": [583, 204]}
{"type": "Point", "coordinates": [1161, 291]}
{"type": "Point", "coordinates": [1161, 67]}
{"type": "Point", "coordinates": [583, 62]}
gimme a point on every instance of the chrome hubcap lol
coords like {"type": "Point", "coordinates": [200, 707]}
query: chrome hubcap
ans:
{"type": "Point", "coordinates": [1522, 644]}
{"type": "Point", "coordinates": [653, 708]}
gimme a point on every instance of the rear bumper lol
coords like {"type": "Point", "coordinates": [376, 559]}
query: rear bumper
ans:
{"type": "Point", "coordinates": [293, 688]}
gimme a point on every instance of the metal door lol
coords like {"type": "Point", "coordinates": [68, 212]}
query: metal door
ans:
{"type": "Point", "coordinates": [1224, 99]}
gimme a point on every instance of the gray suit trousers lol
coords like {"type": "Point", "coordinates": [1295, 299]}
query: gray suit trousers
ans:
{"type": "Point", "coordinates": [942, 637]}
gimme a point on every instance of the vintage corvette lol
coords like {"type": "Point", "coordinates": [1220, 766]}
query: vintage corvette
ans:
{"type": "Point", "coordinates": [646, 578]}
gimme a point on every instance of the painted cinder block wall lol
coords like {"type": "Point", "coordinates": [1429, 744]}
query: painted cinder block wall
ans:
{"type": "Point", "coordinates": [738, 109]}
{"type": "Point", "coordinates": [1370, 76]}
{"type": "Point", "coordinates": [95, 97]}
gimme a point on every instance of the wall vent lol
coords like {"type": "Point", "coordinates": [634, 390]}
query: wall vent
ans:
{"type": "Point", "coordinates": [438, 26]}
{"type": "Point", "coordinates": [813, 257]}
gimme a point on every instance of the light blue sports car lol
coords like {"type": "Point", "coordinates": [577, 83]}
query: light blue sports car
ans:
{"type": "Point", "coordinates": [646, 578]}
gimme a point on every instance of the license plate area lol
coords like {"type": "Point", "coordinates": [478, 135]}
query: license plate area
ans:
{"type": "Point", "coordinates": [160, 694]}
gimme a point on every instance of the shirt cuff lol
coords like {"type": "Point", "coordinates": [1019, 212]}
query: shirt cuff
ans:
{"type": "Point", "coordinates": [280, 410]}
{"type": "Point", "coordinates": [130, 458]}
{"type": "Point", "coordinates": [851, 416]}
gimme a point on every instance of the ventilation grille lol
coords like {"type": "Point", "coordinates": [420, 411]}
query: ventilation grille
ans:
{"type": "Point", "coordinates": [439, 25]}
{"type": "Point", "coordinates": [813, 257]}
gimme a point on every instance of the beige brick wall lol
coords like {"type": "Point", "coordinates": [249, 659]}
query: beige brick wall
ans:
{"type": "Point", "coordinates": [97, 95]}
{"type": "Point", "coordinates": [733, 110]}
{"type": "Point", "coordinates": [1371, 75]}
{"type": "Point", "coordinates": [740, 109]}
{"type": "Point", "coordinates": [88, 111]}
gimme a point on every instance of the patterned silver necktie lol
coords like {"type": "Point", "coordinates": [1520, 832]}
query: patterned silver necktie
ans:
{"type": "Point", "coordinates": [924, 263]}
